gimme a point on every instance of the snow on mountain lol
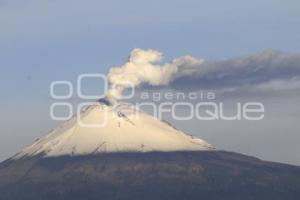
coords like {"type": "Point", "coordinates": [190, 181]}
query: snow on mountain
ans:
{"type": "Point", "coordinates": [126, 130]}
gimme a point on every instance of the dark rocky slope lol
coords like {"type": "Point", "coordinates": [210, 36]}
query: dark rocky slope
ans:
{"type": "Point", "coordinates": [210, 175]}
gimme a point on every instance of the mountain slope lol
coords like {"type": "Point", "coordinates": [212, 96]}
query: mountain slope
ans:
{"type": "Point", "coordinates": [104, 127]}
{"type": "Point", "coordinates": [213, 175]}
{"type": "Point", "coordinates": [134, 157]}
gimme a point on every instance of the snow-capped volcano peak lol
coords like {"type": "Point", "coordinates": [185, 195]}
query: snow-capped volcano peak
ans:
{"type": "Point", "coordinates": [110, 126]}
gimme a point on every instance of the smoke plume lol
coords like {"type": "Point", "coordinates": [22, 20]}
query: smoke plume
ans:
{"type": "Point", "coordinates": [266, 70]}
{"type": "Point", "coordinates": [143, 68]}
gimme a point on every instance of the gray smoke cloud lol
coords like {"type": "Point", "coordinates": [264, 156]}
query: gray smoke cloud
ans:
{"type": "Point", "coordinates": [268, 70]}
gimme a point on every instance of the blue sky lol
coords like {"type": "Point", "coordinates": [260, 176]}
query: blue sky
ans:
{"type": "Point", "coordinates": [43, 41]}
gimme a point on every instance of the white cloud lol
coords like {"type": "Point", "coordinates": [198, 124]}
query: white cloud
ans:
{"type": "Point", "coordinates": [142, 68]}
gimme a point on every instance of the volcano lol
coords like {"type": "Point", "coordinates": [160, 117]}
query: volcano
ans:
{"type": "Point", "coordinates": [113, 150]}
{"type": "Point", "coordinates": [106, 127]}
